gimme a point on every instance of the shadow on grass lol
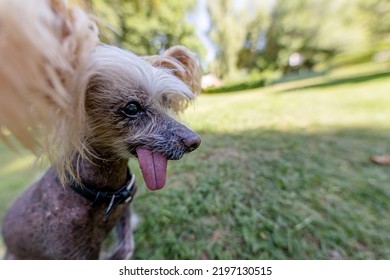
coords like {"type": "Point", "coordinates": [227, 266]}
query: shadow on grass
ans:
{"type": "Point", "coordinates": [262, 82]}
{"type": "Point", "coordinates": [341, 81]}
{"type": "Point", "coordinates": [266, 194]}
{"type": "Point", "coordinates": [236, 87]}
{"type": "Point", "coordinates": [298, 76]}
{"type": "Point", "coordinates": [247, 85]}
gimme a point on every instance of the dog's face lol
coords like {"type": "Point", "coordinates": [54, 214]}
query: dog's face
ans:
{"type": "Point", "coordinates": [131, 106]}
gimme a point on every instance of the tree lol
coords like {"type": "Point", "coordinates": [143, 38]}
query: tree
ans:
{"type": "Point", "coordinates": [316, 29]}
{"type": "Point", "coordinates": [227, 30]}
{"type": "Point", "coordinates": [375, 14]}
{"type": "Point", "coordinates": [146, 26]}
{"type": "Point", "coordinates": [293, 29]}
{"type": "Point", "coordinates": [250, 54]}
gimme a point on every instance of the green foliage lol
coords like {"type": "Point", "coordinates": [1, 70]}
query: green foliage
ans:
{"type": "Point", "coordinates": [317, 30]}
{"type": "Point", "coordinates": [352, 58]}
{"type": "Point", "coordinates": [250, 36]}
{"type": "Point", "coordinates": [147, 27]}
{"type": "Point", "coordinates": [243, 85]}
{"type": "Point", "coordinates": [375, 15]}
{"type": "Point", "coordinates": [230, 25]}
{"type": "Point", "coordinates": [227, 34]}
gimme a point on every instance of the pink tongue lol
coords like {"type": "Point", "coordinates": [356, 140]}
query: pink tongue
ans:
{"type": "Point", "coordinates": [154, 168]}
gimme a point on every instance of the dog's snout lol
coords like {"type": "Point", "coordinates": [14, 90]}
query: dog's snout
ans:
{"type": "Point", "coordinates": [192, 142]}
{"type": "Point", "coordinates": [182, 140]}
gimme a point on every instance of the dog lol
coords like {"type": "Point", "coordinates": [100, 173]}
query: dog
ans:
{"type": "Point", "coordinates": [93, 107]}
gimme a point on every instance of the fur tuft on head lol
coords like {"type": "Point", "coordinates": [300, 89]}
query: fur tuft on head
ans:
{"type": "Point", "coordinates": [42, 44]}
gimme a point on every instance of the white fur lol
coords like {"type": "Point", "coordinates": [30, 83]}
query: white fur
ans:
{"type": "Point", "coordinates": [124, 68]}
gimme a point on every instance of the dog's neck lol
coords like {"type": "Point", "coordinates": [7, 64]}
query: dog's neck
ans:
{"type": "Point", "coordinates": [107, 175]}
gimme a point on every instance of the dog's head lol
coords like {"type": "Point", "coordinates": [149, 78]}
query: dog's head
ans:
{"type": "Point", "coordinates": [62, 96]}
{"type": "Point", "coordinates": [131, 103]}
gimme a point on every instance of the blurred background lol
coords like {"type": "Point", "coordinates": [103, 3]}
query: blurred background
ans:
{"type": "Point", "coordinates": [251, 40]}
{"type": "Point", "coordinates": [296, 99]}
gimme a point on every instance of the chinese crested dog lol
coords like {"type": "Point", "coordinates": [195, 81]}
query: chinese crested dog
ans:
{"type": "Point", "coordinates": [89, 107]}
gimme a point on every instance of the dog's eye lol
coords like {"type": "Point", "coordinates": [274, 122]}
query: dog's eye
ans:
{"type": "Point", "coordinates": [132, 109]}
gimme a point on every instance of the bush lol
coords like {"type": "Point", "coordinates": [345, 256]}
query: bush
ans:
{"type": "Point", "coordinates": [237, 86]}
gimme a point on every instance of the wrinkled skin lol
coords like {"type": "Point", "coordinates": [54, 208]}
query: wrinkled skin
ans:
{"type": "Point", "coordinates": [51, 221]}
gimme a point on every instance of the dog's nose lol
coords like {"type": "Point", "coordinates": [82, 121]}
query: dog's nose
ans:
{"type": "Point", "coordinates": [192, 142]}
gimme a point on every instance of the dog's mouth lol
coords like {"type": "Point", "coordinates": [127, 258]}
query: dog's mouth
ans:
{"type": "Point", "coordinates": [153, 161]}
{"type": "Point", "coordinates": [154, 168]}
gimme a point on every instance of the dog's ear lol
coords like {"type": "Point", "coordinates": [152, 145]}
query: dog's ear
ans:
{"type": "Point", "coordinates": [183, 64]}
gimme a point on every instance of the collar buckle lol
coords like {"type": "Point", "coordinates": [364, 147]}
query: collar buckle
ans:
{"type": "Point", "coordinates": [121, 196]}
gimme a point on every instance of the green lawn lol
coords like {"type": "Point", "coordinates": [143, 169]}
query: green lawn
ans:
{"type": "Point", "coordinates": [282, 173]}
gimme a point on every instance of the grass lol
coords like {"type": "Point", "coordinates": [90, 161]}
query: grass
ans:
{"type": "Point", "coordinates": [282, 173]}
{"type": "Point", "coordinates": [260, 82]}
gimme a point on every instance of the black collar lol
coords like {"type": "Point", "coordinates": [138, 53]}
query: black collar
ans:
{"type": "Point", "coordinates": [113, 199]}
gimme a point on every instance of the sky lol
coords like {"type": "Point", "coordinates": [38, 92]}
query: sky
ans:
{"type": "Point", "coordinates": [201, 19]}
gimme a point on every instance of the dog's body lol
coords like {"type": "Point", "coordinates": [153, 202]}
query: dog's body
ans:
{"type": "Point", "coordinates": [51, 221]}
{"type": "Point", "coordinates": [121, 106]}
